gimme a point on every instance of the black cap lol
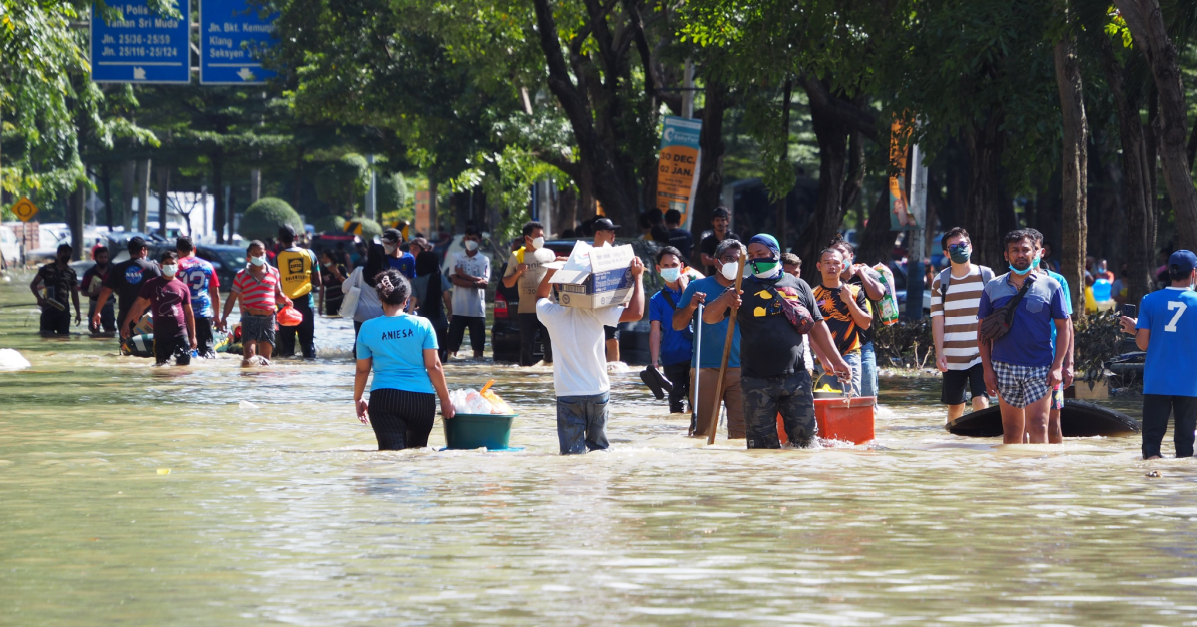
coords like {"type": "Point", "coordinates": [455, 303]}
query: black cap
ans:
{"type": "Point", "coordinates": [603, 224]}
{"type": "Point", "coordinates": [391, 235]}
{"type": "Point", "coordinates": [286, 231]}
{"type": "Point", "coordinates": [135, 244]}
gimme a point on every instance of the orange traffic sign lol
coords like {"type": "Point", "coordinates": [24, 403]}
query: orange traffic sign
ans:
{"type": "Point", "coordinates": [25, 209]}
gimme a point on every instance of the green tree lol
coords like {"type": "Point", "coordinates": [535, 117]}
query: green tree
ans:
{"type": "Point", "coordinates": [263, 219]}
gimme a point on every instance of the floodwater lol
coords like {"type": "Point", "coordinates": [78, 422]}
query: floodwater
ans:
{"type": "Point", "coordinates": [152, 496]}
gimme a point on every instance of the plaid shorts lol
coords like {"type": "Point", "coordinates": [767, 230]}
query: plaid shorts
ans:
{"type": "Point", "coordinates": [1020, 386]}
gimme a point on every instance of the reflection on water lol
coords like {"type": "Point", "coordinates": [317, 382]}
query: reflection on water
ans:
{"type": "Point", "coordinates": [285, 513]}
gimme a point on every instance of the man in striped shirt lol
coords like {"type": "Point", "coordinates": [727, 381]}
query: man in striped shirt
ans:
{"type": "Point", "coordinates": [259, 288]}
{"type": "Point", "coordinates": [954, 324]}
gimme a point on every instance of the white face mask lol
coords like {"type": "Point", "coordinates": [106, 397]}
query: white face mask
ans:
{"type": "Point", "coordinates": [729, 271]}
{"type": "Point", "coordinates": [170, 270]}
{"type": "Point", "coordinates": [389, 248]}
{"type": "Point", "coordinates": [537, 243]}
{"type": "Point", "coordinates": [257, 261]}
{"type": "Point", "coordinates": [471, 245]}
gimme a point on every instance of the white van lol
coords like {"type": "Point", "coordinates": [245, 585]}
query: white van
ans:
{"type": "Point", "coordinates": [10, 249]}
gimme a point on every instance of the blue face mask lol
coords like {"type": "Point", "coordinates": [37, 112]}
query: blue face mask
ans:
{"type": "Point", "coordinates": [670, 274]}
{"type": "Point", "coordinates": [1034, 263]}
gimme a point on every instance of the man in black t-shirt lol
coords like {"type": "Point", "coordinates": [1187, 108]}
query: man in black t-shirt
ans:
{"type": "Point", "coordinates": [61, 284]}
{"type": "Point", "coordinates": [126, 279]}
{"type": "Point", "coordinates": [721, 222]}
{"type": "Point", "coordinates": [773, 375]}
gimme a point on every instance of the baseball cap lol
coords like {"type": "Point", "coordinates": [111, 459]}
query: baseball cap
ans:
{"type": "Point", "coordinates": [135, 244]}
{"type": "Point", "coordinates": [1182, 261]}
{"type": "Point", "coordinates": [391, 235]}
{"type": "Point", "coordinates": [603, 224]}
{"type": "Point", "coordinates": [287, 230]}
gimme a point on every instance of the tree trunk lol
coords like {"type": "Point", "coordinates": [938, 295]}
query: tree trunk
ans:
{"type": "Point", "coordinates": [617, 195]}
{"type": "Point", "coordinates": [986, 142]}
{"type": "Point", "coordinates": [128, 188]}
{"type": "Point", "coordinates": [784, 132]}
{"type": "Point", "coordinates": [1075, 169]}
{"type": "Point", "coordinates": [106, 182]}
{"type": "Point", "coordinates": [433, 221]}
{"type": "Point", "coordinates": [709, 193]}
{"type": "Point", "coordinates": [144, 169]}
{"type": "Point", "coordinates": [1146, 23]}
{"type": "Point", "coordinates": [832, 136]}
{"type": "Point", "coordinates": [219, 210]}
{"type": "Point", "coordinates": [877, 240]}
{"type": "Point", "coordinates": [75, 213]}
{"type": "Point", "coordinates": [163, 197]}
{"type": "Point", "coordinates": [299, 180]}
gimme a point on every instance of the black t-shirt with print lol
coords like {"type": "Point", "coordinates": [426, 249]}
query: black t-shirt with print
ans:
{"type": "Point", "coordinates": [127, 278]}
{"type": "Point", "coordinates": [769, 345]}
{"type": "Point", "coordinates": [59, 282]}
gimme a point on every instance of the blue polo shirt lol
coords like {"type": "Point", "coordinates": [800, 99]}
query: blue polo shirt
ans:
{"type": "Point", "coordinates": [1171, 367]}
{"type": "Point", "coordinates": [1067, 299]}
{"type": "Point", "coordinates": [405, 264]}
{"type": "Point", "coordinates": [710, 353]}
{"type": "Point", "coordinates": [676, 346]}
{"type": "Point", "coordinates": [1029, 341]}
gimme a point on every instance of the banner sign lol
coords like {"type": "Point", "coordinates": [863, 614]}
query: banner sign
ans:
{"type": "Point", "coordinates": [677, 168]}
{"type": "Point", "coordinates": [231, 35]}
{"type": "Point", "coordinates": [143, 48]}
{"type": "Point", "coordinates": [900, 216]}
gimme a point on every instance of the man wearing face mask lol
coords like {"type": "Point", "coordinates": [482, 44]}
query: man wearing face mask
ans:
{"type": "Point", "coordinates": [774, 376]}
{"type": "Point", "coordinates": [93, 284]}
{"type": "Point", "coordinates": [1020, 366]}
{"type": "Point", "coordinates": [169, 302]}
{"type": "Point", "coordinates": [955, 296]}
{"type": "Point", "coordinates": [470, 276]}
{"type": "Point", "coordinates": [666, 345]}
{"type": "Point", "coordinates": [61, 283]}
{"type": "Point", "coordinates": [125, 279]}
{"type": "Point", "coordinates": [259, 289]}
{"type": "Point", "coordinates": [526, 269]}
{"type": "Point", "coordinates": [604, 235]}
{"type": "Point", "coordinates": [845, 309]}
{"type": "Point", "coordinates": [396, 259]}
{"type": "Point", "coordinates": [709, 356]}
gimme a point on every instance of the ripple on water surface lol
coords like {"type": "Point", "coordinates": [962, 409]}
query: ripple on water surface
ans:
{"type": "Point", "coordinates": [277, 508]}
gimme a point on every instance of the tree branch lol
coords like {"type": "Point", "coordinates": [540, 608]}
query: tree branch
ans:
{"type": "Point", "coordinates": [847, 113]}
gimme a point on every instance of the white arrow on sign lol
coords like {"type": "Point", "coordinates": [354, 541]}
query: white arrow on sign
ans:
{"type": "Point", "coordinates": [138, 74]}
{"type": "Point", "coordinates": [245, 74]}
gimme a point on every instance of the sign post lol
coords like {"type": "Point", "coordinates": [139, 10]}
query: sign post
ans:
{"type": "Point", "coordinates": [677, 168]}
{"type": "Point", "coordinates": [232, 34]}
{"type": "Point", "coordinates": [143, 48]}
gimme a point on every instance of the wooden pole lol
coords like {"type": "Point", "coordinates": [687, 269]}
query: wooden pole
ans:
{"type": "Point", "coordinates": [727, 343]}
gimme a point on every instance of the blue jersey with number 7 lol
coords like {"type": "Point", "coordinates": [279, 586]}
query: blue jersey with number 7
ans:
{"type": "Point", "coordinates": [1171, 315]}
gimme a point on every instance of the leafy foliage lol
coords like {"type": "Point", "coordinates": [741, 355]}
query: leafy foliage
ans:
{"type": "Point", "coordinates": [1098, 340]}
{"type": "Point", "coordinates": [263, 219]}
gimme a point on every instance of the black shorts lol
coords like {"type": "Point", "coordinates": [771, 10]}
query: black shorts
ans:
{"type": "Point", "coordinates": [955, 382]}
{"type": "Point", "coordinates": [612, 332]}
{"type": "Point", "coordinates": [177, 348]}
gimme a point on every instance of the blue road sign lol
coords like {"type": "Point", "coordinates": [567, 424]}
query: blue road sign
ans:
{"type": "Point", "coordinates": [231, 34]}
{"type": "Point", "coordinates": [144, 48]}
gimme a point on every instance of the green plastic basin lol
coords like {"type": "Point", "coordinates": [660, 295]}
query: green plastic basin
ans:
{"type": "Point", "coordinates": [471, 431]}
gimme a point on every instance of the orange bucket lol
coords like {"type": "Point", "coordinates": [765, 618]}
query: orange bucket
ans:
{"type": "Point", "coordinates": [850, 420]}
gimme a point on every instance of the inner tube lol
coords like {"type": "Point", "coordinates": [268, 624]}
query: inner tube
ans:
{"type": "Point", "coordinates": [1078, 419]}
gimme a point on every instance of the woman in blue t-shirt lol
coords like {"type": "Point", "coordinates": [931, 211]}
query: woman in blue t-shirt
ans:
{"type": "Point", "coordinates": [402, 351]}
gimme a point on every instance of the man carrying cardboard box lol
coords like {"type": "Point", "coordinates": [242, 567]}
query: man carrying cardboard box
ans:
{"type": "Point", "coordinates": [576, 327]}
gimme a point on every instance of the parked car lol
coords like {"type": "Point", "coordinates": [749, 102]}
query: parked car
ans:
{"type": "Point", "coordinates": [10, 249]}
{"type": "Point", "coordinates": [633, 336]}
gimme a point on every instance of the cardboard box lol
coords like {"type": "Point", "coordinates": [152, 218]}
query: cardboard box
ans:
{"type": "Point", "coordinates": [595, 277]}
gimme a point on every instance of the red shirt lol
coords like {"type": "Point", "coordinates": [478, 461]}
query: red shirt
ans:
{"type": "Point", "coordinates": [257, 293]}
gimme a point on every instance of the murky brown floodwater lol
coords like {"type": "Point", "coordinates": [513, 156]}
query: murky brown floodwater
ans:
{"type": "Point", "coordinates": [285, 514]}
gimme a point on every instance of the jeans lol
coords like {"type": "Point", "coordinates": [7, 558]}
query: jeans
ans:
{"type": "Point", "coordinates": [529, 323]}
{"type": "Point", "coordinates": [457, 329]}
{"type": "Point", "coordinates": [107, 316]}
{"type": "Point", "coordinates": [787, 394]}
{"type": "Point", "coordinates": [868, 370]}
{"type": "Point", "coordinates": [582, 423]}
{"type": "Point", "coordinates": [853, 360]}
{"type": "Point", "coordinates": [306, 331]}
{"type": "Point", "coordinates": [1156, 410]}
{"type": "Point", "coordinates": [679, 375]}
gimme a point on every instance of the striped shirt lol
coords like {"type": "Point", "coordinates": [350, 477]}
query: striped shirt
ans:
{"type": "Point", "coordinates": [959, 311]}
{"type": "Point", "coordinates": [255, 293]}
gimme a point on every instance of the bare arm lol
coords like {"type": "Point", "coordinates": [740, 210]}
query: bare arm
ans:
{"type": "Point", "coordinates": [33, 285]}
{"type": "Point", "coordinates": [75, 297]}
{"type": "Point", "coordinates": [1063, 348]}
{"type": "Point", "coordinates": [102, 300]}
{"type": "Point", "coordinates": [436, 373]}
{"type": "Point", "coordinates": [683, 315]}
{"type": "Point", "coordinates": [825, 350]}
{"type": "Point", "coordinates": [941, 360]}
{"type": "Point", "coordinates": [987, 364]}
{"type": "Point", "coordinates": [654, 342]}
{"type": "Point", "coordinates": [859, 315]}
{"type": "Point", "coordinates": [872, 287]}
{"type": "Point", "coordinates": [189, 317]}
{"type": "Point", "coordinates": [214, 296]}
{"type": "Point", "coordinates": [635, 309]}
{"type": "Point", "coordinates": [713, 313]}
{"type": "Point", "coordinates": [1142, 338]}
{"type": "Point", "coordinates": [509, 280]}
{"type": "Point", "coordinates": [360, 375]}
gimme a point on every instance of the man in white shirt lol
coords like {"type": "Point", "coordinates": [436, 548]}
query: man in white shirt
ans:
{"type": "Point", "coordinates": [955, 296]}
{"type": "Point", "coordinates": [470, 276]}
{"type": "Point", "coordinates": [580, 366]}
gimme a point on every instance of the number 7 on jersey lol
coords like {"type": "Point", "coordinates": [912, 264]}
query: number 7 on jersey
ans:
{"type": "Point", "coordinates": [1180, 307]}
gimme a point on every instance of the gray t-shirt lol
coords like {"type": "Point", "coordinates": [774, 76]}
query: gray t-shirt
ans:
{"type": "Point", "coordinates": [470, 302]}
{"type": "Point", "coordinates": [530, 281]}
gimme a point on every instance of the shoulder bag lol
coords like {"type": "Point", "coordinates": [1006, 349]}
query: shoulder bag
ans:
{"type": "Point", "coordinates": [997, 324]}
{"type": "Point", "coordinates": [351, 295]}
{"type": "Point", "coordinates": [795, 312]}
